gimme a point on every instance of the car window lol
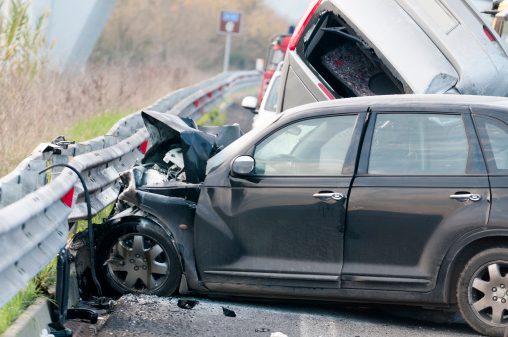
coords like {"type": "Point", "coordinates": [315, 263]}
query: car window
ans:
{"type": "Point", "coordinates": [494, 136]}
{"type": "Point", "coordinates": [419, 144]}
{"type": "Point", "coordinates": [273, 95]}
{"type": "Point", "coordinates": [312, 147]}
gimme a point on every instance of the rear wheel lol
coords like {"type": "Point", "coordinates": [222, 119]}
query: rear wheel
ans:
{"type": "Point", "coordinates": [138, 257]}
{"type": "Point", "coordinates": [482, 292]}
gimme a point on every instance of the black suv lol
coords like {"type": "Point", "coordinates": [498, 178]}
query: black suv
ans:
{"type": "Point", "coordinates": [395, 199]}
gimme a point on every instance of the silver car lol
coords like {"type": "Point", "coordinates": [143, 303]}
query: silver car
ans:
{"type": "Point", "coordinates": [348, 48]}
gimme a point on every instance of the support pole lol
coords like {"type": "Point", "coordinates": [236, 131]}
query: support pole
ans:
{"type": "Point", "coordinates": [227, 52]}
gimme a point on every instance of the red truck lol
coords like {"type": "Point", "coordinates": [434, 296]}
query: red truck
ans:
{"type": "Point", "coordinates": [275, 55]}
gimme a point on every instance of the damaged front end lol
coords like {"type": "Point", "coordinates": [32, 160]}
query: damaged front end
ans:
{"type": "Point", "coordinates": [147, 245]}
{"type": "Point", "coordinates": [175, 164]}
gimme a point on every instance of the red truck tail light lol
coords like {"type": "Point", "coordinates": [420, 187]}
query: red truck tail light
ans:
{"type": "Point", "coordinates": [489, 34]}
{"type": "Point", "coordinates": [303, 23]}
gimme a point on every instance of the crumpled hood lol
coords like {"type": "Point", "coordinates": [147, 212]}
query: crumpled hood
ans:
{"type": "Point", "coordinates": [167, 131]}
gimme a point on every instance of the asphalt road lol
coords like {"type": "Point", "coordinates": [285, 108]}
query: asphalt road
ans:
{"type": "Point", "coordinates": [155, 316]}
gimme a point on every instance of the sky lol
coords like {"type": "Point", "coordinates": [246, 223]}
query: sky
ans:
{"type": "Point", "coordinates": [291, 9]}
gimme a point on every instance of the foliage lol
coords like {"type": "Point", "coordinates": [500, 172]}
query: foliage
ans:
{"type": "Point", "coordinates": [95, 126]}
{"type": "Point", "coordinates": [38, 286]}
{"type": "Point", "coordinates": [168, 31]}
{"type": "Point", "coordinates": [22, 43]}
{"type": "Point", "coordinates": [214, 118]}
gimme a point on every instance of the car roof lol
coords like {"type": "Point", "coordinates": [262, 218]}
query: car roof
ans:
{"type": "Point", "coordinates": [399, 102]}
{"type": "Point", "coordinates": [431, 45]}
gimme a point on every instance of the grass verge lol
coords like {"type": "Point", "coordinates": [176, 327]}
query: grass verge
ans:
{"type": "Point", "coordinates": [95, 126]}
{"type": "Point", "coordinates": [86, 129]}
{"type": "Point", "coordinates": [214, 118]}
{"type": "Point", "coordinates": [37, 287]}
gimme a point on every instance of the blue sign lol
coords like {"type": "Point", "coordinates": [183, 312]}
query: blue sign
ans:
{"type": "Point", "coordinates": [230, 16]}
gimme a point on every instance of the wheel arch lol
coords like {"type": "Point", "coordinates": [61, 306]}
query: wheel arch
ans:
{"type": "Point", "coordinates": [182, 239]}
{"type": "Point", "coordinates": [143, 218]}
{"type": "Point", "coordinates": [461, 253]}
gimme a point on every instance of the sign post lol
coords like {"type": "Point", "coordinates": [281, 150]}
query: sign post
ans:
{"type": "Point", "coordinates": [229, 24]}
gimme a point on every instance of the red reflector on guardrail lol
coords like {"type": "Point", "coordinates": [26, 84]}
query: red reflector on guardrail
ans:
{"type": "Point", "coordinates": [210, 94]}
{"type": "Point", "coordinates": [67, 198]}
{"type": "Point", "coordinates": [196, 104]}
{"type": "Point", "coordinates": [143, 147]}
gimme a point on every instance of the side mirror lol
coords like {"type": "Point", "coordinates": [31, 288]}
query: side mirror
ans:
{"type": "Point", "coordinates": [243, 165]}
{"type": "Point", "coordinates": [250, 103]}
{"type": "Point", "coordinates": [260, 65]}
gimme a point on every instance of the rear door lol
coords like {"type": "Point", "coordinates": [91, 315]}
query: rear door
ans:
{"type": "Point", "coordinates": [421, 184]}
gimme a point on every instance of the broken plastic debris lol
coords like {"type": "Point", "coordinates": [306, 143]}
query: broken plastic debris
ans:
{"type": "Point", "coordinates": [228, 312]}
{"type": "Point", "coordinates": [262, 330]}
{"type": "Point", "coordinates": [278, 334]}
{"type": "Point", "coordinates": [187, 304]}
{"type": "Point", "coordinates": [44, 333]}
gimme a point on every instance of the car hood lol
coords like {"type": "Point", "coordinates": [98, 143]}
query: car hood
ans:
{"type": "Point", "coordinates": [197, 144]}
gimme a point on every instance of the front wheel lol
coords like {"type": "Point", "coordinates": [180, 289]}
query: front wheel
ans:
{"type": "Point", "coordinates": [138, 257]}
{"type": "Point", "coordinates": [482, 292]}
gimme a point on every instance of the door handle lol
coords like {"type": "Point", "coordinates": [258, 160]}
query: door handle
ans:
{"type": "Point", "coordinates": [466, 196]}
{"type": "Point", "coordinates": [327, 196]}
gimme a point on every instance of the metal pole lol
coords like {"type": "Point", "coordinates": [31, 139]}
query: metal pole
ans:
{"type": "Point", "coordinates": [227, 52]}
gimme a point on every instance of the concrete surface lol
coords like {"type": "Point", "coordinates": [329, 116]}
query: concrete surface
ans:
{"type": "Point", "coordinates": [155, 316]}
{"type": "Point", "coordinates": [31, 322]}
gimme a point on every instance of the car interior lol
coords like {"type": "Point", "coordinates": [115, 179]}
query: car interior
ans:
{"type": "Point", "coordinates": [345, 62]}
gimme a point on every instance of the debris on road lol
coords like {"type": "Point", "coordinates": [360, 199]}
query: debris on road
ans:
{"type": "Point", "coordinates": [278, 334]}
{"type": "Point", "coordinates": [187, 304]}
{"type": "Point", "coordinates": [228, 312]}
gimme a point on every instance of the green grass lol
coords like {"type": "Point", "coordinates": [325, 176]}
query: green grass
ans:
{"type": "Point", "coordinates": [84, 130]}
{"type": "Point", "coordinates": [94, 126]}
{"type": "Point", "coordinates": [215, 118]}
{"type": "Point", "coordinates": [36, 287]}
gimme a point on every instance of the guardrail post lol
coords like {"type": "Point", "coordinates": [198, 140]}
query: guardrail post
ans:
{"type": "Point", "coordinates": [62, 288]}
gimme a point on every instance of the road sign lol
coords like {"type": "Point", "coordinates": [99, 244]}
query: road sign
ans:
{"type": "Point", "coordinates": [230, 22]}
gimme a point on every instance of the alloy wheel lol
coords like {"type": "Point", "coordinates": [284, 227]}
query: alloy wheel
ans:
{"type": "Point", "coordinates": [137, 262]}
{"type": "Point", "coordinates": [488, 293]}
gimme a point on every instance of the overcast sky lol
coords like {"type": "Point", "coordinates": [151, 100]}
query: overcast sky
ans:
{"type": "Point", "coordinates": [292, 9]}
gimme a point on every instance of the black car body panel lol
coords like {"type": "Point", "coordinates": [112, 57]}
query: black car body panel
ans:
{"type": "Point", "coordinates": [392, 237]}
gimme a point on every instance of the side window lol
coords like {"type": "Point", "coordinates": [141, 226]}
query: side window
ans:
{"type": "Point", "coordinates": [419, 144]}
{"type": "Point", "coordinates": [494, 137]}
{"type": "Point", "coordinates": [312, 147]}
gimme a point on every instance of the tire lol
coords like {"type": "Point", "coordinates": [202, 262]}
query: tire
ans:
{"type": "Point", "coordinates": [482, 292]}
{"type": "Point", "coordinates": [137, 257]}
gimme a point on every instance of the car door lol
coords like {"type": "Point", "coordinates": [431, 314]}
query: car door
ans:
{"type": "Point", "coordinates": [284, 224]}
{"type": "Point", "coordinates": [421, 184]}
{"type": "Point", "coordinates": [493, 131]}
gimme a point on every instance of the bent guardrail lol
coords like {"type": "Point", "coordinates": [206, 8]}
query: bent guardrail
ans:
{"type": "Point", "coordinates": [35, 210]}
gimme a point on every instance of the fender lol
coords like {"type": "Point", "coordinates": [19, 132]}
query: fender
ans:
{"type": "Point", "coordinates": [176, 217]}
{"type": "Point", "coordinates": [445, 272]}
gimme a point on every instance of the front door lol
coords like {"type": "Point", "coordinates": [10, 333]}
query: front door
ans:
{"type": "Point", "coordinates": [421, 185]}
{"type": "Point", "coordinates": [283, 225]}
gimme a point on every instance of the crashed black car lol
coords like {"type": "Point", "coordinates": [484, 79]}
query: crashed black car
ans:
{"type": "Point", "coordinates": [395, 199]}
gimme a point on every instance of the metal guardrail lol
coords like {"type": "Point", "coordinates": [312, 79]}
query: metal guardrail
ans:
{"type": "Point", "coordinates": [35, 210]}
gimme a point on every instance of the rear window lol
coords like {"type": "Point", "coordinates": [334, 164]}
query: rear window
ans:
{"type": "Point", "coordinates": [341, 59]}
